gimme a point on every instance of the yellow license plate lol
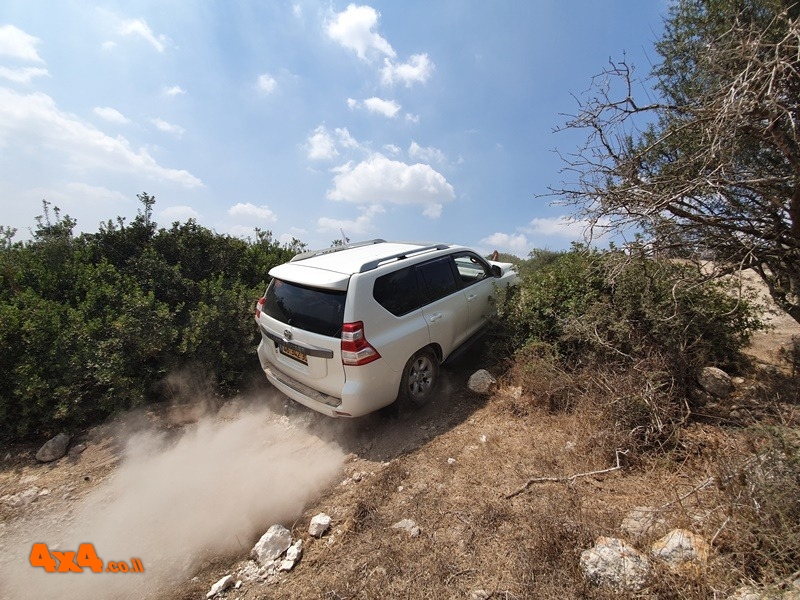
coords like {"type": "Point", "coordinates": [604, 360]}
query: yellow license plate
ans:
{"type": "Point", "coordinates": [294, 353]}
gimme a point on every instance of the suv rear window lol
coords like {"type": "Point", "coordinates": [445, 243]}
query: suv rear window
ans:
{"type": "Point", "coordinates": [397, 292]}
{"type": "Point", "coordinates": [312, 309]}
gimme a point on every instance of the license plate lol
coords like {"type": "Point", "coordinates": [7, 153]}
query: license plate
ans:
{"type": "Point", "coordinates": [294, 353]}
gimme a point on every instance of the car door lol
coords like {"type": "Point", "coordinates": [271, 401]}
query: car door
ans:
{"type": "Point", "coordinates": [477, 283]}
{"type": "Point", "coordinates": [445, 308]}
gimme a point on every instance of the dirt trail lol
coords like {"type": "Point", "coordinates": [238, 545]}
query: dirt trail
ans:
{"type": "Point", "coordinates": [189, 495]}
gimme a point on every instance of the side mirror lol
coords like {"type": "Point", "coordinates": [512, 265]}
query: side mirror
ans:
{"type": "Point", "coordinates": [496, 271]}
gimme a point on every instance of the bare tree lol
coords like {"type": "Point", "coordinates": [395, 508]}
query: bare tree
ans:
{"type": "Point", "coordinates": [712, 163]}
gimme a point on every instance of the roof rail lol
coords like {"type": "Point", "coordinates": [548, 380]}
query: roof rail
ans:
{"type": "Point", "coordinates": [312, 253]}
{"type": "Point", "coordinates": [374, 264]}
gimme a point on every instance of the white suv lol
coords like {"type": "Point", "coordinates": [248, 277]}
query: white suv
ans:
{"type": "Point", "coordinates": [350, 329]}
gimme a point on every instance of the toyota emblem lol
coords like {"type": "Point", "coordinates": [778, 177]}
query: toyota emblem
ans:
{"type": "Point", "coordinates": [287, 334]}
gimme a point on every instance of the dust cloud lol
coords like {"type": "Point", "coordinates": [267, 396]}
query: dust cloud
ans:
{"type": "Point", "coordinates": [178, 500]}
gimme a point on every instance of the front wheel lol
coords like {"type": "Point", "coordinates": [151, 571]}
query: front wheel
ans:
{"type": "Point", "coordinates": [420, 376]}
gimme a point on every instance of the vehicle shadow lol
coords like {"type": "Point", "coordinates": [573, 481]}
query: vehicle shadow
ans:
{"type": "Point", "coordinates": [398, 430]}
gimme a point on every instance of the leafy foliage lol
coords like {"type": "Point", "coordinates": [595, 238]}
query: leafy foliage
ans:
{"type": "Point", "coordinates": [709, 163]}
{"type": "Point", "coordinates": [91, 324]}
{"type": "Point", "coordinates": [629, 328]}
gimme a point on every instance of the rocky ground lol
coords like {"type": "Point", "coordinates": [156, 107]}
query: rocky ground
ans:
{"type": "Point", "coordinates": [474, 496]}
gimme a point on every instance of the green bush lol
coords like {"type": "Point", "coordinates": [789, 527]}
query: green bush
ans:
{"type": "Point", "coordinates": [630, 329]}
{"type": "Point", "coordinates": [92, 324]}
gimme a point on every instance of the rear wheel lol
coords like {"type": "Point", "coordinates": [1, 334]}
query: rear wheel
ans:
{"type": "Point", "coordinates": [420, 376]}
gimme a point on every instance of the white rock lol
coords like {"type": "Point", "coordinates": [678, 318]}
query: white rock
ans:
{"type": "Point", "coordinates": [293, 555]}
{"type": "Point", "coordinates": [272, 544]}
{"type": "Point", "coordinates": [615, 564]}
{"type": "Point", "coordinates": [716, 382]}
{"type": "Point", "coordinates": [409, 526]}
{"type": "Point", "coordinates": [482, 382]}
{"type": "Point", "coordinates": [451, 461]}
{"type": "Point", "coordinates": [641, 520]}
{"type": "Point", "coordinates": [319, 525]}
{"type": "Point", "coordinates": [679, 547]}
{"type": "Point", "coordinates": [222, 585]}
{"type": "Point", "coordinates": [54, 448]}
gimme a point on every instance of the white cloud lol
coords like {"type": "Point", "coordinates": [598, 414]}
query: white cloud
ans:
{"type": "Point", "coordinates": [361, 225]}
{"type": "Point", "coordinates": [175, 90]}
{"type": "Point", "coordinates": [418, 69]}
{"type": "Point", "coordinates": [561, 226]}
{"type": "Point", "coordinates": [504, 242]}
{"type": "Point", "coordinates": [387, 108]}
{"type": "Point", "coordinates": [352, 103]}
{"type": "Point", "coordinates": [427, 154]}
{"type": "Point", "coordinates": [142, 29]}
{"type": "Point", "coordinates": [381, 180]}
{"type": "Point", "coordinates": [392, 149]}
{"type": "Point", "coordinates": [412, 118]}
{"type": "Point", "coordinates": [321, 145]}
{"type": "Point", "coordinates": [345, 139]}
{"type": "Point", "coordinates": [96, 192]}
{"type": "Point", "coordinates": [22, 74]}
{"type": "Point", "coordinates": [110, 114]}
{"type": "Point", "coordinates": [353, 29]}
{"type": "Point", "coordinates": [162, 125]}
{"type": "Point", "coordinates": [35, 119]}
{"type": "Point", "coordinates": [266, 83]}
{"type": "Point", "coordinates": [178, 213]}
{"type": "Point", "coordinates": [297, 11]}
{"type": "Point", "coordinates": [17, 44]}
{"type": "Point", "coordinates": [108, 45]}
{"type": "Point", "coordinates": [262, 213]}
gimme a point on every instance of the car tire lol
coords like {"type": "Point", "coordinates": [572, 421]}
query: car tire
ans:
{"type": "Point", "coordinates": [420, 377]}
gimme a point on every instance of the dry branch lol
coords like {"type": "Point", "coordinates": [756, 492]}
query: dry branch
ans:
{"type": "Point", "coordinates": [565, 478]}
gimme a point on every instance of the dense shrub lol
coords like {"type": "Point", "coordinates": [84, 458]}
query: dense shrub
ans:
{"type": "Point", "coordinates": [92, 324]}
{"type": "Point", "coordinates": [630, 329]}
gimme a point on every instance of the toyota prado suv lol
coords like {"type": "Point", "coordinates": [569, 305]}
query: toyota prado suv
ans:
{"type": "Point", "coordinates": [350, 329]}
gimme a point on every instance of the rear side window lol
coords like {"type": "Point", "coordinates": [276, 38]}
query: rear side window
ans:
{"type": "Point", "coordinates": [312, 309]}
{"type": "Point", "coordinates": [440, 281]}
{"type": "Point", "coordinates": [397, 292]}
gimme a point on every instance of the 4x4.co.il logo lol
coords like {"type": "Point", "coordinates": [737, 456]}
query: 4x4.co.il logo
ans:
{"type": "Point", "coordinates": [54, 561]}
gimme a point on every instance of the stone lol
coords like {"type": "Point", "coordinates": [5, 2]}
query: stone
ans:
{"type": "Point", "coordinates": [680, 549]}
{"type": "Point", "coordinates": [479, 595]}
{"type": "Point", "coordinates": [482, 382]}
{"type": "Point", "coordinates": [222, 585]}
{"type": "Point", "coordinates": [410, 527]}
{"type": "Point", "coordinates": [293, 555]}
{"type": "Point", "coordinates": [716, 382]}
{"type": "Point", "coordinates": [613, 563]}
{"type": "Point", "coordinates": [77, 449]}
{"type": "Point", "coordinates": [54, 448]}
{"type": "Point", "coordinates": [23, 498]}
{"type": "Point", "coordinates": [641, 520]}
{"type": "Point", "coordinates": [319, 525]}
{"type": "Point", "coordinates": [272, 544]}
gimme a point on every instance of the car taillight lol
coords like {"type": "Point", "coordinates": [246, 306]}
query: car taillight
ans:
{"type": "Point", "coordinates": [259, 307]}
{"type": "Point", "coordinates": [356, 350]}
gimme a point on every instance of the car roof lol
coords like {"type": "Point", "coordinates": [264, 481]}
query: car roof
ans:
{"type": "Point", "coordinates": [331, 268]}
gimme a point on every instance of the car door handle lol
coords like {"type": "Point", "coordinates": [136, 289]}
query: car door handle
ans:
{"type": "Point", "coordinates": [435, 317]}
{"type": "Point", "coordinates": [471, 297]}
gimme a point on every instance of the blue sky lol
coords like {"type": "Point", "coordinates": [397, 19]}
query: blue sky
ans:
{"type": "Point", "coordinates": [413, 120]}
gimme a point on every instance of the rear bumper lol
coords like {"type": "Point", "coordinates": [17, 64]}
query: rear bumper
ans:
{"type": "Point", "coordinates": [367, 388]}
{"type": "Point", "coordinates": [302, 393]}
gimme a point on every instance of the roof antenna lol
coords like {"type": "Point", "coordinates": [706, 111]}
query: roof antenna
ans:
{"type": "Point", "coordinates": [345, 239]}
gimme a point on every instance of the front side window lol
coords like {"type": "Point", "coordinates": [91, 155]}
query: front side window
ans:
{"type": "Point", "coordinates": [471, 268]}
{"type": "Point", "coordinates": [312, 309]}
{"type": "Point", "coordinates": [438, 277]}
